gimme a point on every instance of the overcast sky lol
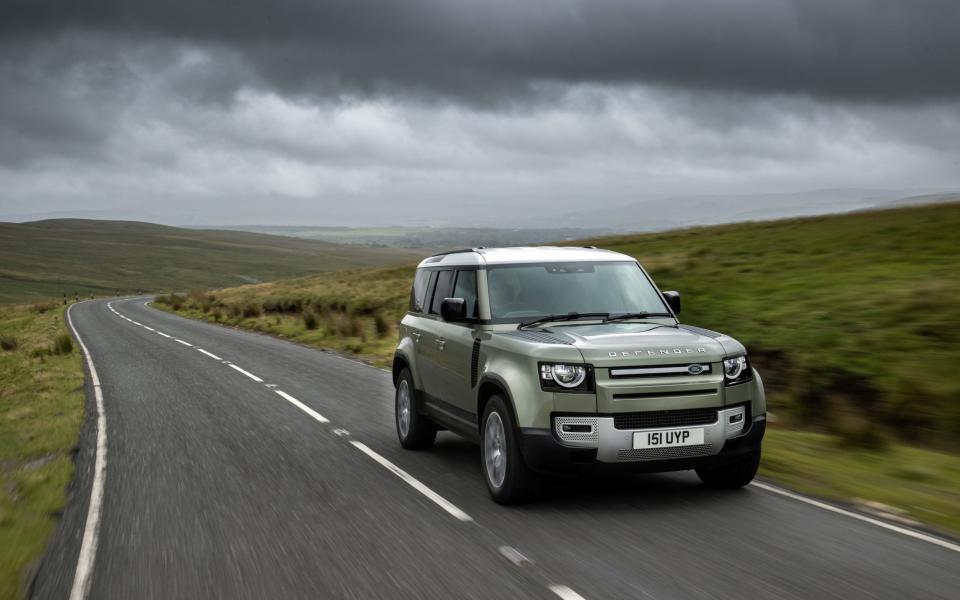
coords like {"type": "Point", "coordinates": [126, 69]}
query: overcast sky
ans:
{"type": "Point", "coordinates": [468, 111]}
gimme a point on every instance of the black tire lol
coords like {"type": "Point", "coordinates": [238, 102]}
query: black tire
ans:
{"type": "Point", "coordinates": [419, 432]}
{"type": "Point", "coordinates": [732, 475]}
{"type": "Point", "coordinates": [517, 483]}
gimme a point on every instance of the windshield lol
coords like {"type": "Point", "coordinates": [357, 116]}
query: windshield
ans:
{"type": "Point", "coordinates": [532, 291]}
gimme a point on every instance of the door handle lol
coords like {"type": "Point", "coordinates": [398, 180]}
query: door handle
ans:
{"type": "Point", "coordinates": [415, 335]}
{"type": "Point", "coordinates": [441, 343]}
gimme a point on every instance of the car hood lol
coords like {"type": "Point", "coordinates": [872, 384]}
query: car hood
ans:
{"type": "Point", "coordinates": [647, 343]}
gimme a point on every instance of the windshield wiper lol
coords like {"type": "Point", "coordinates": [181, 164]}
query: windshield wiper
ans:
{"type": "Point", "coordinates": [635, 315]}
{"type": "Point", "coordinates": [571, 316]}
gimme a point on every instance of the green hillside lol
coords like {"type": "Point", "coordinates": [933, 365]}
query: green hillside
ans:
{"type": "Point", "coordinates": [51, 258]}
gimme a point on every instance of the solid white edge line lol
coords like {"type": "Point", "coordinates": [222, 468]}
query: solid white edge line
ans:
{"type": "Point", "coordinates": [835, 509]}
{"type": "Point", "coordinates": [210, 354]}
{"type": "Point", "coordinates": [565, 592]}
{"type": "Point", "coordinates": [247, 373]}
{"type": "Point", "coordinates": [414, 483]}
{"type": "Point", "coordinates": [179, 341]}
{"type": "Point", "coordinates": [163, 334]}
{"type": "Point", "coordinates": [149, 328]}
{"type": "Point", "coordinates": [302, 406]}
{"type": "Point", "coordinates": [91, 531]}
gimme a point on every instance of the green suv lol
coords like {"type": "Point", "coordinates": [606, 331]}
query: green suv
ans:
{"type": "Point", "coordinates": [565, 360]}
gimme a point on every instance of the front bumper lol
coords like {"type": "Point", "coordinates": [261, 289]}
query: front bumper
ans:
{"type": "Point", "coordinates": [612, 449]}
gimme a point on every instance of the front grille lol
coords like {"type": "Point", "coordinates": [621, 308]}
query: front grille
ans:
{"type": "Point", "coordinates": [665, 418]}
{"type": "Point", "coordinates": [665, 453]}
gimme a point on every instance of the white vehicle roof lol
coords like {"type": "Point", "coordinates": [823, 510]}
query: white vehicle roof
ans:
{"type": "Point", "coordinates": [520, 255]}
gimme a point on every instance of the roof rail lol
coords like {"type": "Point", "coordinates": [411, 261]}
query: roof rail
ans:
{"type": "Point", "coordinates": [458, 251]}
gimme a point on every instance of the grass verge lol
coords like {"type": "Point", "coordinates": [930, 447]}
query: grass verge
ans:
{"type": "Point", "coordinates": [41, 412]}
{"type": "Point", "coordinates": [922, 485]}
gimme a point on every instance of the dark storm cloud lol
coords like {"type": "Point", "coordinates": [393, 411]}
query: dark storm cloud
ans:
{"type": "Point", "coordinates": [492, 51]}
{"type": "Point", "coordinates": [330, 112]}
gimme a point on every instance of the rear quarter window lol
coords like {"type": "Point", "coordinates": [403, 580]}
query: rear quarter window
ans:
{"type": "Point", "coordinates": [418, 294]}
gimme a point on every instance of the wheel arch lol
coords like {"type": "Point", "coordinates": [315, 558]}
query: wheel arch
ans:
{"type": "Point", "coordinates": [487, 387]}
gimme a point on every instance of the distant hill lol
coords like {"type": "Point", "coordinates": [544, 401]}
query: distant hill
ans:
{"type": "Point", "coordinates": [67, 256]}
{"type": "Point", "coordinates": [689, 211]}
{"type": "Point", "coordinates": [440, 238]}
{"type": "Point", "coordinates": [924, 199]}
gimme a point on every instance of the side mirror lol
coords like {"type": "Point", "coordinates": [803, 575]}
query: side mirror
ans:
{"type": "Point", "coordinates": [673, 300]}
{"type": "Point", "coordinates": [453, 310]}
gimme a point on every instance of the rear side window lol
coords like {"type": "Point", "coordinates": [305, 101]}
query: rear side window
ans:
{"type": "Point", "coordinates": [418, 294]}
{"type": "Point", "coordinates": [444, 286]}
{"type": "Point", "coordinates": [466, 288]}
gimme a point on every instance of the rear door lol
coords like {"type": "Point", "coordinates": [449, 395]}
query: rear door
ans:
{"type": "Point", "coordinates": [417, 321]}
{"type": "Point", "coordinates": [428, 349]}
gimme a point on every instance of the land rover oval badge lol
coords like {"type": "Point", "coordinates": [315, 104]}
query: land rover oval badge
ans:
{"type": "Point", "coordinates": [695, 369]}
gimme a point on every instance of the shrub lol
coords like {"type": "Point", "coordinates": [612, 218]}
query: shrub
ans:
{"type": "Point", "coordinates": [354, 326]}
{"type": "Point", "coordinates": [62, 344]}
{"type": "Point", "coordinates": [381, 324]}
{"type": "Point", "coordinates": [251, 310]}
{"type": "Point", "coordinates": [310, 320]}
{"type": "Point", "coordinates": [8, 343]}
{"type": "Point", "coordinates": [174, 301]}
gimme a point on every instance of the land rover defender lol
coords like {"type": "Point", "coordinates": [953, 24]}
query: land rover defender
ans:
{"type": "Point", "coordinates": [565, 360]}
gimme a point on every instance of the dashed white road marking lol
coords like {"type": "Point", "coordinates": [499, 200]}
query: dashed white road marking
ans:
{"type": "Point", "coordinates": [91, 530]}
{"type": "Point", "coordinates": [341, 432]}
{"type": "Point", "coordinates": [835, 509]}
{"type": "Point", "coordinates": [210, 354]}
{"type": "Point", "coordinates": [302, 406]}
{"type": "Point", "coordinates": [514, 556]}
{"type": "Point", "coordinates": [565, 592]}
{"type": "Point", "coordinates": [179, 341]}
{"type": "Point", "coordinates": [247, 373]}
{"type": "Point", "coordinates": [413, 482]}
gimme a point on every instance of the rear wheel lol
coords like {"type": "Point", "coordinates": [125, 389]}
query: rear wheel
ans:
{"type": "Point", "coordinates": [416, 431]}
{"type": "Point", "coordinates": [506, 474]}
{"type": "Point", "coordinates": [732, 475]}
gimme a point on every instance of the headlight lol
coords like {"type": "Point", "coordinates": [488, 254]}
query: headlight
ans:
{"type": "Point", "coordinates": [736, 369]}
{"type": "Point", "coordinates": [564, 377]}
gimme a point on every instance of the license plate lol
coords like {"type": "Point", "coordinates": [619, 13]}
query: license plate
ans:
{"type": "Point", "coordinates": [667, 438]}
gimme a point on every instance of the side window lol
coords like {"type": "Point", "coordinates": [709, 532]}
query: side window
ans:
{"type": "Point", "coordinates": [418, 294]}
{"type": "Point", "coordinates": [444, 285]}
{"type": "Point", "coordinates": [466, 288]}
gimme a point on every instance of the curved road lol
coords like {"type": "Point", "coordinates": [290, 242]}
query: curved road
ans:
{"type": "Point", "coordinates": [243, 466]}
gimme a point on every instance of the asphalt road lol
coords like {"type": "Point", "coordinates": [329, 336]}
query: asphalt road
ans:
{"type": "Point", "coordinates": [216, 485]}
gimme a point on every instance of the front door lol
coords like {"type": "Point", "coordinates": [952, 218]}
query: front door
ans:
{"type": "Point", "coordinates": [455, 350]}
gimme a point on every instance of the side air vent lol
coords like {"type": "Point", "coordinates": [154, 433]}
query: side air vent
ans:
{"type": "Point", "coordinates": [475, 363]}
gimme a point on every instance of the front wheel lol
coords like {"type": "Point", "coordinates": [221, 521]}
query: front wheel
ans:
{"type": "Point", "coordinates": [416, 431]}
{"type": "Point", "coordinates": [732, 475]}
{"type": "Point", "coordinates": [506, 474]}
